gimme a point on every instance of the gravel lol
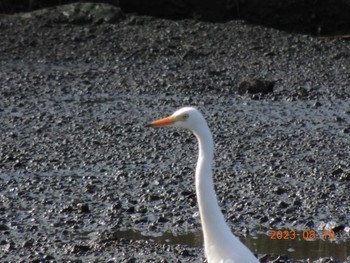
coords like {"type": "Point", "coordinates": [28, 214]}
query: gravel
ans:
{"type": "Point", "coordinates": [77, 165]}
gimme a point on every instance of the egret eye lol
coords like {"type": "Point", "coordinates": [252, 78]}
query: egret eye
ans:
{"type": "Point", "coordinates": [182, 117]}
{"type": "Point", "coordinates": [185, 117]}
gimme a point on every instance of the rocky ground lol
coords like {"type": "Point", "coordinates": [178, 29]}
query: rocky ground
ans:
{"type": "Point", "coordinates": [77, 165]}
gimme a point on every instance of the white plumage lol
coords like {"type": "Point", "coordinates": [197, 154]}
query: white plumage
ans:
{"type": "Point", "coordinates": [220, 245]}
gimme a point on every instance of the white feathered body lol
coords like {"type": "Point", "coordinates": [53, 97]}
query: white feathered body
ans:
{"type": "Point", "coordinates": [220, 245]}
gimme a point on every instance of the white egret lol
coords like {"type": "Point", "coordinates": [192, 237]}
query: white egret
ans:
{"type": "Point", "coordinates": [220, 245]}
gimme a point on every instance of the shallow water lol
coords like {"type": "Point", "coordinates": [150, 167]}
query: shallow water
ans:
{"type": "Point", "coordinates": [299, 248]}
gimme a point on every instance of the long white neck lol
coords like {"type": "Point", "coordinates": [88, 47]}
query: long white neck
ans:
{"type": "Point", "coordinates": [213, 222]}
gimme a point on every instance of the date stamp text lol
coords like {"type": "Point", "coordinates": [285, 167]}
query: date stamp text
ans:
{"type": "Point", "coordinates": [308, 235]}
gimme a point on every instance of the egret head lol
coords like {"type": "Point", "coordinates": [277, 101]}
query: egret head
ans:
{"type": "Point", "coordinates": [187, 117]}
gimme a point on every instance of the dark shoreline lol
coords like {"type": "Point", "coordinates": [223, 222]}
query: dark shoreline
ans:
{"type": "Point", "coordinates": [318, 18]}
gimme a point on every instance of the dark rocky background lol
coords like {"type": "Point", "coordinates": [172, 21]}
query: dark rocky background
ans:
{"type": "Point", "coordinates": [77, 166]}
{"type": "Point", "coordinates": [316, 17]}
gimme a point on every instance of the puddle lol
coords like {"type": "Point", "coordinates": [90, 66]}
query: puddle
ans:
{"type": "Point", "coordinates": [260, 244]}
{"type": "Point", "coordinates": [298, 248]}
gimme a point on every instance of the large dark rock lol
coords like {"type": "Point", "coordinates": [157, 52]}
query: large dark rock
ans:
{"type": "Point", "coordinates": [255, 86]}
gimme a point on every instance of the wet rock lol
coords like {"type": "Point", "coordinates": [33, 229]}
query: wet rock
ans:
{"type": "Point", "coordinates": [346, 130]}
{"type": "Point", "coordinates": [255, 86]}
{"type": "Point", "coordinates": [162, 220]}
{"type": "Point", "coordinates": [282, 204]}
{"type": "Point", "coordinates": [131, 210]}
{"type": "Point", "coordinates": [84, 208]}
{"type": "Point", "coordinates": [337, 171]}
{"type": "Point", "coordinates": [345, 176]}
{"type": "Point", "coordinates": [4, 228]}
{"type": "Point", "coordinates": [80, 248]}
{"type": "Point", "coordinates": [317, 104]}
{"type": "Point", "coordinates": [264, 219]}
{"type": "Point", "coordinates": [279, 190]}
{"type": "Point", "coordinates": [49, 258]}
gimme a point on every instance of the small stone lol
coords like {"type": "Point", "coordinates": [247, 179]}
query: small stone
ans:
{"type": "Point", "coordinates": [345, 177]}
{"type": "Point", "coordinates": [28, 243]}
{"type": "Point", "coordinates": [131, 210]}
{"type": "Point", "coordinates": [282, 204]}
{"type": "Point", "coordinates": [264, 219]}
{"type": "Point", "coordinates": [337, 171]}
{"type": "Point", "coordinates": [162, 220]}
{"type": "Point", "coordinates": [84, 208]}
{"type": "Point", "coordinates": [154, 197]}
{"type": "Point", "coordinates": [346, 130]}
{"type": "Point", "coordinates": [317, 104]}
{"type": "Point", "coordinates": [80, 248]}
{"type": "Point", "coordinates": [4, 228]}
{"type": "Point", "coordinates": [279, 190]}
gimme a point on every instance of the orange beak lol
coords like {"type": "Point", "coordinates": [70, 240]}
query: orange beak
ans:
{"type": "Point", "coordinates": [162, 122]}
